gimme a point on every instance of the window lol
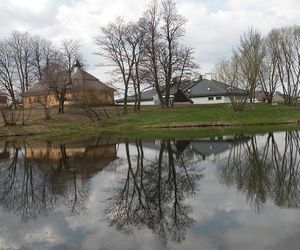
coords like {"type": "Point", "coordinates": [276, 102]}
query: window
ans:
{"type": "Point", "coordinates": [219, 98]}
{"type": "Point", "coordinates": [210, 98]}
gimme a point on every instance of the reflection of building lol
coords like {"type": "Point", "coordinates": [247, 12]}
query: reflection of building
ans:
{"type": "Point", "coordinates": [210, 148]}
{"type": "Point", "coordinates": [41, 175]}
{"type": "Point", "coordinates": [86, 159]}
{"type": "Point", "coordinates": [57, 152]}
{"type": "Point", "coordinates": [204, 147]}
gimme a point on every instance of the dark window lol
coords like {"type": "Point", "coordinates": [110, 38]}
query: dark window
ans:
{"type": "Point", "coordinates": [218, 98]}
{"type": "Point", "coordinates": [210, 98]}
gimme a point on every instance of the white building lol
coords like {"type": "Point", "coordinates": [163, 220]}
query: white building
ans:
{"type": "Point", "coordinates": [203, 91]}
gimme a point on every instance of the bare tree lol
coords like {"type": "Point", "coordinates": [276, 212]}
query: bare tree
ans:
{"type": "Point", "coordinates": [229, 72]}
{"type": "Point", "coordinates": [13, 116]}
{"type": "Point", "coordinates": [21, 52]}
{"type": "Point", "coordinates": [148, 51]}
{"type": "Point", "coordinates": [116, 45]}
{"type": "Point", "coordinates": [136, 40]}
{"type": "Point", "coordinates": [153, 45]}
{"type": "Point", "coordinates": [57, 77]}
{"type": "Point", "coordinates": [167, 61]}
{"type": "Point", "coordinates": [286, 46]}
{"type": "Point", "coordinates": [43, 53]}
{"type": "Point", "coordinates": [186, 65]}
{"type": "Point", "coordinates": [172, 27]}
{"type": "Point", "coordinates": [250, 52]}
{"type": "Point", "coordinates": [268, 72]}
{"type": "Point", "coordinates": [7, 71]}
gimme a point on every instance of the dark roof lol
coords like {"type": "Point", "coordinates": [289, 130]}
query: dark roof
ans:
{"type": "Point", "coordinates": [192, 89]}
{"type": "Point", "coordinates": [210, 147]}
{"type": "Point", "coordinates": [81, 78]}
{"type": "Point", "coordinates": [181, 96]}
{"type": "Point", "coordinates": [207, 88]}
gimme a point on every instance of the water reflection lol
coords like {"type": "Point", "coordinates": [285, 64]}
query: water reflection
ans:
{"type": "Point", "coordinates": [35, 177]}
{"type": "Point", "coordinates": [98, 192]}
{"type": "Point", "coordinates": [265, 169]}
{"type": "Point", "coordinates": [153, 192]}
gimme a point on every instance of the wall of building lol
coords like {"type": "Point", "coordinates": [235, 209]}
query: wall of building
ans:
{"type": "Point", "coordinates": [88, 97]}
{"type": "Point", "coordinates": [205, 100]}
{"type": "Point", "coordinates": [277, 98]}
{"type": "Point", "coordinates": [143, 103]}
{"type": "Point", "coordinates": [35, 100]}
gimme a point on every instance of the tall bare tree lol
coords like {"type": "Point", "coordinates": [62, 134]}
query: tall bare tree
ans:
{"type": "Point", "coordinates": [268, 72]}
{"type": "Point", "coordinates": [43, 53]}
{"type": "Point", "coordinates": [136, 40]}
{"type": "Point", "coordinates": [250, 52]}
{"type": "Point", "coordinates": [116, 46]}
{"type": "Point", "coordinates": [57, 77]}
{"type": "Point", "coordinates": [172, 27]}
{"type": "Point", "coordinates": [153, 47]}
{"type": "Point", "coordinates": [165, 58]}
{"type": "Point", "coordinates": [7, 71]}
{"type": "Point", "coordinates": [21, 52]}
{"type": "Point", "coordinates": [286, 46]}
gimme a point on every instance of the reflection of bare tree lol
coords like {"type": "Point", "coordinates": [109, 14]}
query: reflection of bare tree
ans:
{"type": "Point", "coordinates": [153, 194]}
{"type": "Point", "coordinates": [265, 170]}
{"type": "Point", "coordinates": [22, 189]}
{"type": "Point", "coordinates": [287, 172]}
{"type": "Point", "coordinates": [34, 180]}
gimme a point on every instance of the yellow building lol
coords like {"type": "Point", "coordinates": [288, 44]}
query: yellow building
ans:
{"type": "Point", "coordinates": [84, 90]}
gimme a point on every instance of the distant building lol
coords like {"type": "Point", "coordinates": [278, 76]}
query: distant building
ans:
{"type": "Point", "coordinates": [278, 97]}
{"type": "Point", "coordinates": [86, 89]}
{"type": "Point", "coordinates": [260, 96]}
{"type": "Point", "coordinates": [203, 91]}
{"type": "Point", "coordinates": [3, 99]}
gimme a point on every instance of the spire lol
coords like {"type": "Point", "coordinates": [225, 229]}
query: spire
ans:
{"type": "Point", "coordinates": [77, 65]}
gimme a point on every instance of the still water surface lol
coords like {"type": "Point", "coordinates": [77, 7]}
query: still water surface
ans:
{"type": "Point", "coordinates": [231, 192]}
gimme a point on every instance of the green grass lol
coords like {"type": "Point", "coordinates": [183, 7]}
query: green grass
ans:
{"type": "Point", "coordinates": [213, 115]}
{"type": "Point", "coordinates": [190, 121]}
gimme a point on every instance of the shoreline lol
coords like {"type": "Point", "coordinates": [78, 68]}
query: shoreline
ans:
{"type": "Point", "coordinates": [179, 131]}
{"type": "Point", "coordinates": [154, 122]}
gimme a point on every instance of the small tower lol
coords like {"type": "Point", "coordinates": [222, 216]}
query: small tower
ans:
{"type": "Point", "coordinates": [77, 65]}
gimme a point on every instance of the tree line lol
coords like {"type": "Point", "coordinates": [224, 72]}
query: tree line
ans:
{"type": "Point", "coordinates": [264, 63]}
{"type": "Point", "coordinates": [149, 52]}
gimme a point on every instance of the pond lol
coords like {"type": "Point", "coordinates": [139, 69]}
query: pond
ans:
{"type": "Point", "coordinates": [229, 192]}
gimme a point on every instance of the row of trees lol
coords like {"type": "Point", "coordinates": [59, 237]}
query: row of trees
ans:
{"type": "Point", "coordinates": [148, 52]}
{"type": "Point", "coordinates": [25, 59]}
{"type": "Point", "coordinates": [264, 63]}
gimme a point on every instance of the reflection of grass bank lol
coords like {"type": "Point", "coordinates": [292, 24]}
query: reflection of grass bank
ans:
{"type": "Point", "coordinates": [190, 121]}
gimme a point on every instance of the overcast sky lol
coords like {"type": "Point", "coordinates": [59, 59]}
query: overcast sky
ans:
{"type": "Point", "coordinates": [213, 26]}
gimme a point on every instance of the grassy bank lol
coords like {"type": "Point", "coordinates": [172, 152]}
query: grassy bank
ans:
{"type": "Point", "coordinates": [189, 121]}
{"type": "Point", "coordinates": [206, 117]}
